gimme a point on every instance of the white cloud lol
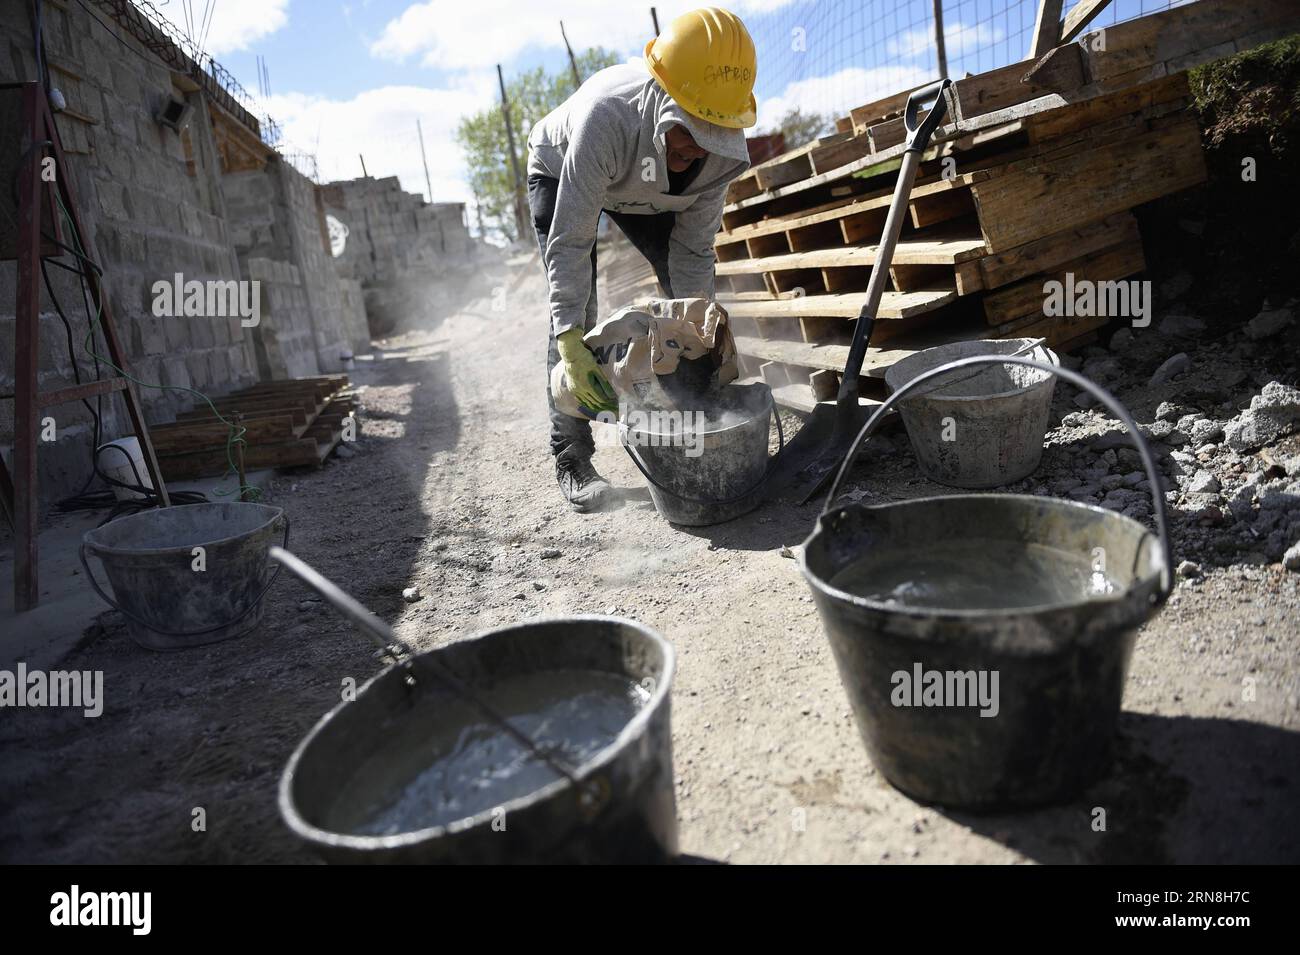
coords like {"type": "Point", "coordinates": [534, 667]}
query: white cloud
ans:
{"type": "Point", "coordinates": [485, 32]}
{"type": "Point", "coordinates": [834, 95]}
{"type": "Point", "coordinates": [235, 24]}
{"type": "Point", "coordinates": [380, 124]}
{"type": "Point", "coordinates": [958, 38]}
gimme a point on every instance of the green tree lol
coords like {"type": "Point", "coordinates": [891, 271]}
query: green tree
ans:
{"type": "Point", "coordinates": [800, 128]}
{"type": "Point", "coordinates": [482, 135]}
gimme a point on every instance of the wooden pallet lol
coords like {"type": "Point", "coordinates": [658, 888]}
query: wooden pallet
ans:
{"type": "Point", "coordinates": [290, 423]}
{"type": "Point", "coordinates": [1033, 175]}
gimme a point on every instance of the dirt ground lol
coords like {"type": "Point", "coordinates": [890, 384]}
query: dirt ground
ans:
{"type": "Point", "coordinates": [451, 489]}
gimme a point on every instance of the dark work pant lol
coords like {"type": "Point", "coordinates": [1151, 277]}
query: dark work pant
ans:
{"type": "Point", "coordinates": [649, 235]}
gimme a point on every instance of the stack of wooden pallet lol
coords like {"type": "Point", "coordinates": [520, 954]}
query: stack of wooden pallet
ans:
{"type": "Point", "coordinates": [1033, 175]}
{"type": "Point", "coordinates": [291, 423]}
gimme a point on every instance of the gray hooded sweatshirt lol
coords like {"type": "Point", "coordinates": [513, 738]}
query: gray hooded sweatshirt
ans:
{"type": "Point", "coordinates": [605, 144]}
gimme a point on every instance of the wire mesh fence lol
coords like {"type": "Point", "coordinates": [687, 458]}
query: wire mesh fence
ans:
{"type": "Point", "coordinates": [828, 56]}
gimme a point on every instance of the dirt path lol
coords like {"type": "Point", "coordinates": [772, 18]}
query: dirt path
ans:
{"type": "Point", "coordinates": [452, 490]}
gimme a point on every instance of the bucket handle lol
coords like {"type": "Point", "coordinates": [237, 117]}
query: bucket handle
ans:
{"type": "Point", "coordinates": [1074, 378]}
{"type": "Point", "coordinates": [763, 479]}
{"type": "Point", "coordinates": [181, 633]}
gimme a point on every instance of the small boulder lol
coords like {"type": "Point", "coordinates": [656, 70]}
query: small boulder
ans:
{"type": "Point", "coordinates": [1269, 323]}
{"type": "Point", "coordinates": [1203, 482]}
{"type": "Point", "coordinates": [1173, 367]}
{"type": "Point", "coordinates": [1291, 559]}
{"type": "Point", "coordinates": [1121, 341]}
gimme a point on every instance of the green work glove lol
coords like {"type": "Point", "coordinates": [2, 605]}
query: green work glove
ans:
{"type": "Point", "coordinates": [586, 381]}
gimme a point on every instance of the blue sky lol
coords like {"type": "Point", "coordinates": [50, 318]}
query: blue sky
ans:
{"type": "Point", "coordinates": [353, 77]}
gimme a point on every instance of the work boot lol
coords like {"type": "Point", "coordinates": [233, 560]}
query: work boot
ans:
{"type": "Point", "coordinates": [581, 485]}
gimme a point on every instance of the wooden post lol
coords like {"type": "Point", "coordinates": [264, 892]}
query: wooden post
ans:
{"type": "Point", "coordinates": [1083, 13]}
{"type": "Point", "coordinates": [521, 219]}
{"type": "Point", "coordinates": [573, 64]}
{"type": "Point", "coordinates": [423, 159]}
{"type": "Point", "coordinates": [39, 128]}
{"type": "Point", "coordinates": [363, 165]}
{"type": "Point", "coordinates": [1047, 28]}
{"type": "Point", "coordinates": [939, 49]}
{"type": "Point", "coordinates": [654, 18]}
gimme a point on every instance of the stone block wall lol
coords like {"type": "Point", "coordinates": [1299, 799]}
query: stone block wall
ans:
{"type": "Point", "coordinates": [149, 215]}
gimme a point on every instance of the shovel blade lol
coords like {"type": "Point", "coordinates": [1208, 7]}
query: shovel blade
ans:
{"type": "Point", "coordinates": [811, 458]}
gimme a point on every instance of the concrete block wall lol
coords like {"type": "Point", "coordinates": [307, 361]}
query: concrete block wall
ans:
{"type": "Point", "coordinates": [398, 246]}
{"type": "Point", "coordinates": [277, 217]}
{"type": "Point", "coordinates": [148, 218]}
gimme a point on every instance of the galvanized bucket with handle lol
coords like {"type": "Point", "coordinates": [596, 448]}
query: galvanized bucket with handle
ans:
{"type": "Point", "coordinates": [1060, 667]}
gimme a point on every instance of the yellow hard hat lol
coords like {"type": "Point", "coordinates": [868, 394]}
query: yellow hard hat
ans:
{"type": "Point", "coordinates": [705, 61]}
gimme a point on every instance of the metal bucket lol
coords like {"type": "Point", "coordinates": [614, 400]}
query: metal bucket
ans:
{"type": "Point", "coordinates": [720, 474]}
{"type": "Point", "coordinates": [633, 820]}
{"type": "Point", "coordinates": [1060, 667]}
{"type": "Point", "coordinates": [984, 429]}
{"type": "Point", "coordinates": [188, 575]}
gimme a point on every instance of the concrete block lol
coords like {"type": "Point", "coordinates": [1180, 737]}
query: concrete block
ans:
{"type": "Point", "coordinates": [113, 200]}
{"type": "Point", "coordinates": [196, 363]}
{"type": "Point", "coordinates": [153, 338]}
{"type": "Point", "coordinates": [175, 372]}
{"type": "Point", "coordinates": [177, 332]}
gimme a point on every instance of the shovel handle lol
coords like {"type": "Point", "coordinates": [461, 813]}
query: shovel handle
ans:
{"type": "Point", "coordinates": [919, 133]}
{"type": "Point", "coordinates": [1074, 378]}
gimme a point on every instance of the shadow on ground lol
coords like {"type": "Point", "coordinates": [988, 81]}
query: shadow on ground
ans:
{"type": "Point", "coordinates": [1181, 790]}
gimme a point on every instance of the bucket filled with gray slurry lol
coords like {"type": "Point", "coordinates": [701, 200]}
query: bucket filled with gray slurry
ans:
{"type": "Point", "coordinates": [983, 640]}
{"type": "Point", "coordinates": [414, 772]}
{"type": "Point", "coordinates": [187, 575]}
{"type": "Point", "coordinates": [981, 428]}
{"type": "Point", "coordinates": [706, 463]}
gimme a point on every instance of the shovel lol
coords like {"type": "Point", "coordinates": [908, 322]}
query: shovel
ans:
{"type": "Point", "coordinates": [809, 460]}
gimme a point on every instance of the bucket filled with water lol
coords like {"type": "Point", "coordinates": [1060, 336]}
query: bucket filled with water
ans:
{"type": "Point", "coordinates": [984, 640]}
{"type": "Point", "coordinates": [543, 742]}
{"type": "Point", "coordinates": [709, 465]}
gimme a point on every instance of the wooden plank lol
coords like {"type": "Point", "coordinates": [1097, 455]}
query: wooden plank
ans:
{"type": "Point", "coordinates": [297, 453]}
{"type": "Point", "coordinates": [1047, 27]}
{"type": "Point", "coordinates": [1053, 251]}
{"type": "Point", "coordinates": [912, 278]}
{"type": "Point", "coordinates": [886, 134]}
{"type": "Point", "coordinates": [1089, 185]}
{"type": "Point", "coordinates": [917, 251]}
{"type": "Point", "coordinates": [941, 207]}
{"type": "Point", "coordinates": [194, 437]}
{"type": "Point", "coordinates": [840, 209]}
{"type": "Point", "coordinates": [824, 384]}
{"type": "Point", "coordinates": [1084, 12]}
{"type": "Point", "coordinates": [1026, 299]}
{"type": "Point", "coordinates": [834, 155]}
{"type": "Point", "coordinates": [774, 374]}
{"type": "Point", "coordinates": [893, 305]}
{"type": "Point", "coordinates": [1091, 113]}
{"type": "Point", "coordinates": [883, 108]}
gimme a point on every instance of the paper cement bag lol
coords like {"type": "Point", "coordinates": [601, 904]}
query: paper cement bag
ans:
{"type": "Point", "coordinates": [657, 353]}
